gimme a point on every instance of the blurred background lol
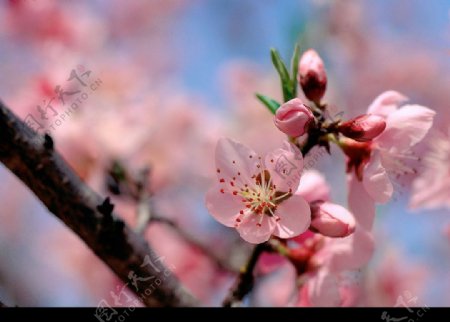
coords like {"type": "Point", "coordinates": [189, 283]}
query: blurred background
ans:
{"type": "Point", "coordinates": [156, 83]}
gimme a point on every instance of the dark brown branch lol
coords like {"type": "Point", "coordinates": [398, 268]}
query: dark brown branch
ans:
{"type": "Point", "coordinates": [31, 158]}
{"type": "Point", "coordinates": [3, 304]}
{"type": "Point", "coordinates": [220, 262]}
{"type": "Point", "coordinates": [244, 282]}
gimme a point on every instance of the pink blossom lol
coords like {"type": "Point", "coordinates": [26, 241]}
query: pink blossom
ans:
{"type": "Point", "coordinates": [331, 220]}
{"type": "Point", "coordinates": [323, 264]}
{"type": "Point", "coordinates": [327, 258]}
{"type": "Point", "coordinates": [294, 118]}
{"type": "Point", "coordinates": [328, 290]}
{"type": "Point", "coordinates": [255, 195]}
{"type": "Point", "coordinates": [312, 76]}
{"type": "Point", "coordinates": [387, 153]}
{"type": "Point", "coordinates": [391, 276]}
{"type": "Point", "coordinates": [364, 127]}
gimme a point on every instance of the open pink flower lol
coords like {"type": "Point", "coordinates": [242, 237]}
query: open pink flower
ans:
{"type": "Point", "coordinates": [387, 153]}
{"type": "Point", "coordinates": [255, 195]}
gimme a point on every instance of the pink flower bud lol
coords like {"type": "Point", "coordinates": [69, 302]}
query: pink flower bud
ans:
{"type": "Point", "coordinates": [331, 220]}
{"type": "Point", "coordinates": [312, 75]}
{"type": "Point", "coordinates": [293, 118]}
{"type": "Point", "coordinates": [364, 127]}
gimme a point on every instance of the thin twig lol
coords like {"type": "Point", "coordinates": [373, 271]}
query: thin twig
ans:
{"type": "Point", "coordinates": [31, 158]}
{"type": "Point", "coordinates": [244, 282]}
{"type": "Point", "coordinates": [144, 206]}
{"type": "Point", "coordinates": [137, 188]}
{"type": "Point", "coordinates": [221, 263]}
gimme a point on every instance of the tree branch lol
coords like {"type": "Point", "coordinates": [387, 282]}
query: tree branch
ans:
{"type": "Point", "coordinates": [31, 158]}
{"type": "Point", "coordinates": [244, 282]}
{"type": "Point", "coordinates": [3, 304]}
{"type": "Point", "coordinates": [218, 261]}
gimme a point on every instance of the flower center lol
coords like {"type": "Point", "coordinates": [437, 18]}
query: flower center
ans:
{"type": "Point", "coordinates": [263, 198]}
{"type": "Point", "coordinates": [259, 195]}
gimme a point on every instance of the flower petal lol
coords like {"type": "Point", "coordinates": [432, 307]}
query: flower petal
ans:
{"type": "Point", "coordinates": [360, 203]}
{"type": "Point", "coordinates": [323, 290]}
{"type": "Point", "coordinates": [429, 193]}
{"type": "Point", "coordinates": [253, 233]}
{"type": "Point", "coordinates": [376, 180]}
{"type": "Point", "coordinates": [406, 127]}
{"type": "Point", "coordinates": [235, 162]}
{"type": "Point", "coordinates": [386, 103]}
{"type": "Point", "coordinates": [224, 207]}
{"type": "Point", "coordinates": [295, 217]}
{"type": "Point", "coordinates": [313, 187]}
{"type": "Point", "coordinates": [285, 166]}
{"type": "Point", "coordinates": [352, 252]}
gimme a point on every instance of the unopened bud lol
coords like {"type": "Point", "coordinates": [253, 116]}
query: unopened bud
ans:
{"type": "Point", "coordinates": [312, 75]}
{"type": "Point", "coordinates": [294, 118]}
{"type": "Point", "coordinates": [364, 127]}
{"type": "Point", "coordinates": [331, 220]}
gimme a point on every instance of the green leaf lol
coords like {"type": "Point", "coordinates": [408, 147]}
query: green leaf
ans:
{"type": "Point", "coordinates": [270, 103]}
{"type": "Point", "coordinates": [284, 74]}
{"type": "Point", "coordinates": [294, 68]}
{"type": "Point", "coordinates": [279, 64]}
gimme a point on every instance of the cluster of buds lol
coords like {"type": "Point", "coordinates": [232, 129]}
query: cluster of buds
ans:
{"type": "Point", "coordinates": [295, 118]}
